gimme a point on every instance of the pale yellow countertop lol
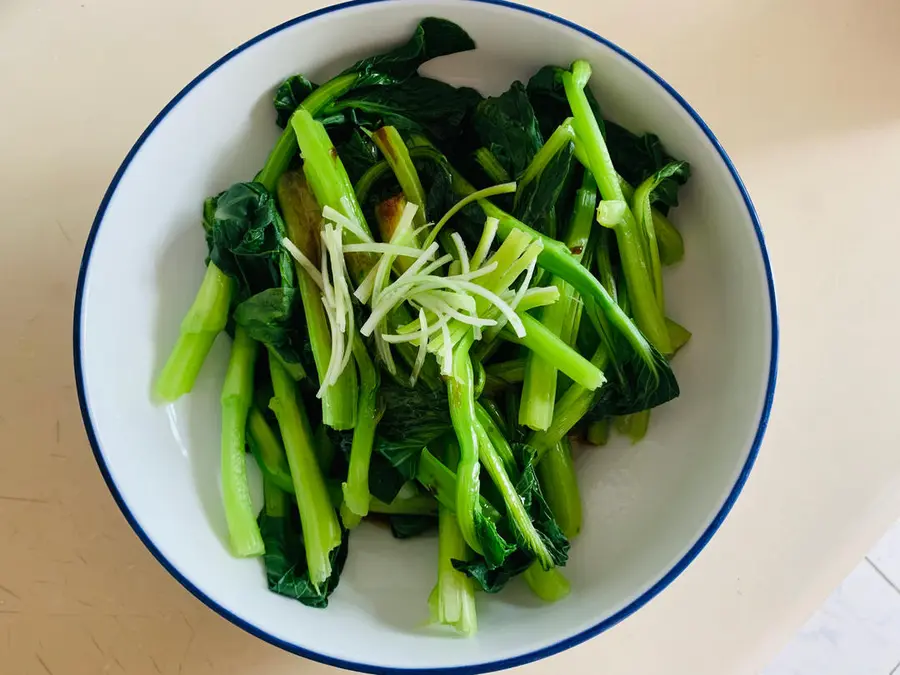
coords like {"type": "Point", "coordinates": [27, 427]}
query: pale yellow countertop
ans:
{"type": "Point", "coordinates": [805, 97]}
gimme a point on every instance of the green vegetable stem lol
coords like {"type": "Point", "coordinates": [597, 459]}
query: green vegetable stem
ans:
{"type": "Point", "coordinates": [237, 397]}
{"type": "Point", "coordinates": [321, 530]}
{"type": "Point", "coordinates": [204, 321]}
{"type": "Point", "coordinates": [539, 387]}
{"type": "Point", "coordinates": [302, 217]}
{"type": "Point", "coordinates": [637, 272]}
{"type": "Point", "coordinates": [356, 488]}
{"type": "Point", "coordinates": [559, 483]}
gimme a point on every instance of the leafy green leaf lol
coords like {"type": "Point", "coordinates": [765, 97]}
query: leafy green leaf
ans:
{"type": "Point", "coordinates": [537, 203]}
{"type": "Point", "coordinates": [506, 126]}
{"type": "Point", "coordinates": [418, 104]}
{"type": "Point", "coordinates": [494, 570]}
{"type": "Point", "coordinates": [270, 318]}
{"type": "Point", "coordinates": [408, 526]}
{"type": "Point", "coordinates": [413, 418]}
{"type": "Point", "coordinates": [433, 37]}
{"type": "Point", "coordinates": [529, 488]}
{"type": "Point", "coordinates": [638, 157]}
{"type": "Point", "coordinates": [285, 560]}
{"type": "Point", "coordinates": [289, 96]}
{"type": "Point", "coordinates": [385, 481]}
{"type": "Point", "coordinates": [244, 240]}
{"type": "Point", "coordinates": [358, 154]}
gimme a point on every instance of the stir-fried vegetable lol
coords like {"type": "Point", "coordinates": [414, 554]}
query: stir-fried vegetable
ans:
{"type": "Point", "coordinates": [406, 282]}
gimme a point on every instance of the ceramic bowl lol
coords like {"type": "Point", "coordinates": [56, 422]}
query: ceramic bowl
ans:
{"type": "Point", "coordinates": [649, 509]}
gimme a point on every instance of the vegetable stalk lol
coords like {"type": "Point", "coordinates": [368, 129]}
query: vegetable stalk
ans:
{"type": "Point", "coordinates": [549, 585]}
{"type": "Point", "coordinates": [539, 387]}
{"type": "Point", "coordinates": [237, 397]}
{"type": "Point", "coordinates": [452, 602]}
{"type": "Point", "coordinates": [441, 481]}
{"type": "Point", "coordinates": [356, 488]}
{"type": "Point", "coordinates": [201, 325]}
{"type": "Point", "coordinates": [461, 393]}
{"type": "Point", "coordinates": [637, 273]}
{"type": "Point", "coordinates": [559, 485]}
{"type": "Point", "coordinates": [321, 530]}
{"type": "Point", "coordinates": [570, 408]}
{"type": "Point", "coordinates": [515, 509]}
{"type": "Point", "coordinates": [302, 217]}
{"type": "Point", "coordinates": [540, 340]}
{"type": "Point", "coordinates": [398, 158]}
{"type": "Point", "coordinates": [286, 146]}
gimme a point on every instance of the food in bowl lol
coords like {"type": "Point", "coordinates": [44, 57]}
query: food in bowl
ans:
{"type": "Point", "coordinates": [431, 370]}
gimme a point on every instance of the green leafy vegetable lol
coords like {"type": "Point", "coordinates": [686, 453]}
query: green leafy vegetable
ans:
{"type": "Point", "coordinates": [640, 206]}
{"type": "Point", "coordinates": [409, 526]}
{"type": "Point", "coordinates": [418, 104]}
{"type": "Point", "coordinates": [481, 292]}
{"type": "Point", "coordinates": [559, 484]}
{"type": "Point", "coordinates": [638, 157]}
{"type": "Point", "coordinates": [204, 321]}
{"type": "Point", "coordinates": [245, 239]}
{"type": "Point", "coordinates": [507, 127]}
{"type": "Point", "coordinates": [302, 217]}
{"type": "Point", "coordinates": [432, 38]}
{"type": "Point", "coordinates": [289, 95]}
{"type": "Point", "coordinates": [268, 317]}
{"type": "Point", "coordinates": [285, 558]}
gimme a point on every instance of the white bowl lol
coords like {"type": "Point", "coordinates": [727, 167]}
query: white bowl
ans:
{"type": "Point", "coordinates": [649, 509]}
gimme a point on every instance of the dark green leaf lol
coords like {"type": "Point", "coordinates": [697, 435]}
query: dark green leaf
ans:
{"type": "Point", "coordinates": [638, 157]}
{"type": "Point", "coordinates": [413, 418]}
{"type": "Point", "coordinates": [433, 37]}
{"type": "Point", "coordinates": [358, 154]}
{"type": "Point", "coordinates": [408, 526]}
{"type": "Point", "coordinates": [414, 105]}
{"type": "Point", "coordinates": [289, 96]}
{"type": "Point", "coordinates": [285, 560]}
{"type": "Point", "coordinates": [494, 580]}
{"type": "Point", "coordinates": [506, 126]}
{"type": "Point", "coordinates": [270, 318]}
{"type": "Point", "coordinates": [244, 240]}
{"type": "Point", "coordinates": [667, 181]}
{"type": "Point", "coordinates": [536, 205]}
{"type": "Point", "coordinates": [385, 481]}
{"type": "Point", "coordinates": [501, 563]}
{"type": "Point", "coordinates": [529, 489]}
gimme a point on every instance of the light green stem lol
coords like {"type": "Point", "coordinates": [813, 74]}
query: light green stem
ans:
{"type": "Point", "coordinates": [356, 489]}
{"type": "Point", "coordinates": [286, 146]}
{"type": "Point", "coordinates": [237, 397]}
{"type": "Point", "coordinates": [637, 271]}
{"type": "Point", "coordinates": [570, 408]}
{"type": "Point", "coordinates": [559, 485]}
{"type": "Point", "coordinates": [539, 387]}
{"type": "Point", "coordinates": [203, 322]}
{"type": "Point", "coordinates": [549, 585]}
{"type": "Point", "coordinates": [321, 530]}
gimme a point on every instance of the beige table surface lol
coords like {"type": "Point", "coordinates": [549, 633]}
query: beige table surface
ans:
{"type": "Point", "coordinates": [805, 96]}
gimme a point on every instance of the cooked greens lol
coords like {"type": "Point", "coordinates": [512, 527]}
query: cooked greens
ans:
{"type": "Point", "coordinates": [430, 295]}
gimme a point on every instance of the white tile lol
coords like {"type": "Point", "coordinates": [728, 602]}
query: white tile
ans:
{"type": "Point", "coordinates": [886, 555]}
{"type": "Point", "coordinates": [857, 631]}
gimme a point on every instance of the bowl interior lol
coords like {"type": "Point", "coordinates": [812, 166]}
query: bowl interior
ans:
{"type": "Point", "coordinates": [645, 506]}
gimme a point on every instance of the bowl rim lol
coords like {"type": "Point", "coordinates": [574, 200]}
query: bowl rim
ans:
{"type": "Point", "coordinates": [486, 666]}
